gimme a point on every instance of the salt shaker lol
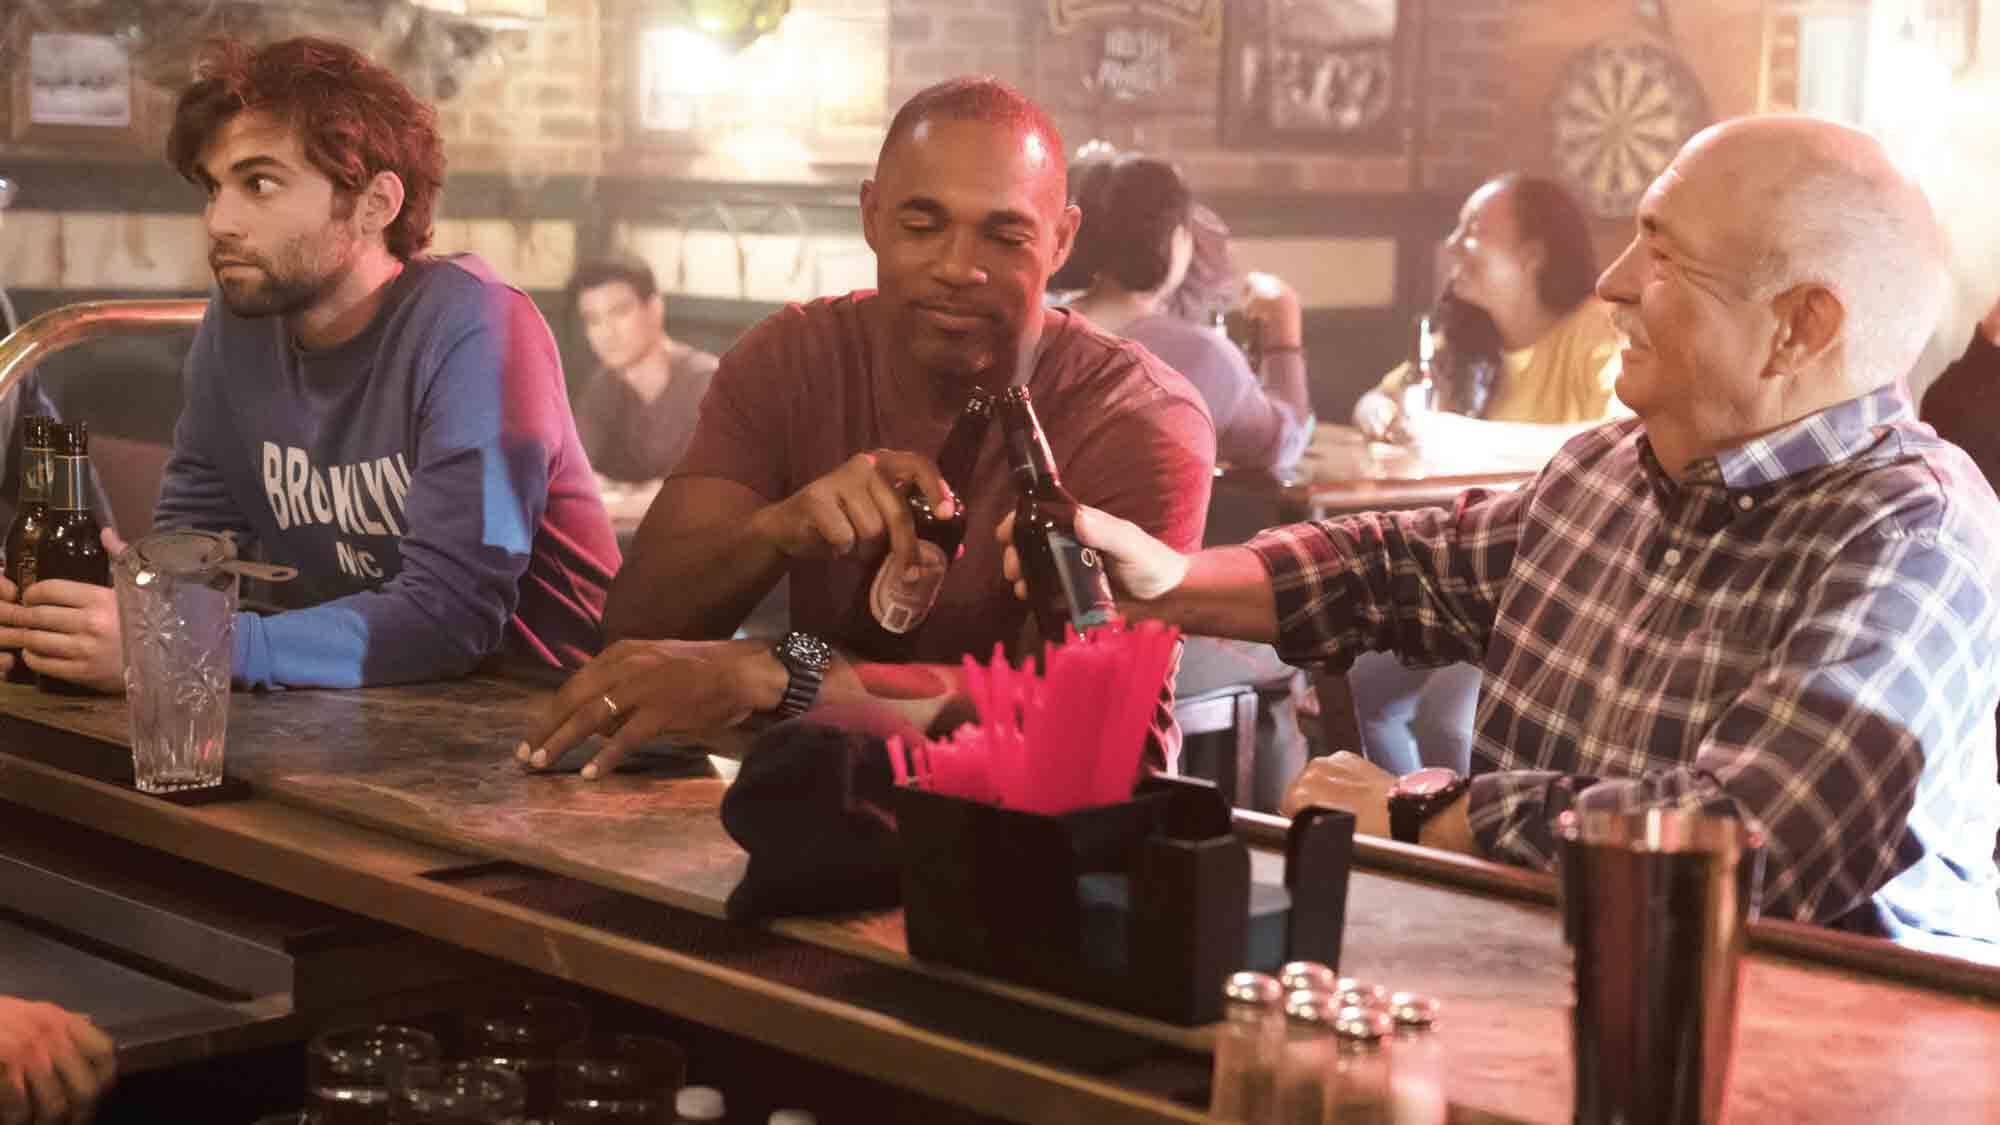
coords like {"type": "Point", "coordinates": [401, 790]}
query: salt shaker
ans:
{"type": "Point", "coordinates": [1416, 1062]}
{"type": "Point", "coordinates": [1247, 1047]}
{"type": "Point", "coordinates": [1357, 1091]}
{"type": "Point", "coordinates": [1310, 1053]}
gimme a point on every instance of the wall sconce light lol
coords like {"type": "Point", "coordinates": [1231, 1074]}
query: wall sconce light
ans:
{"type": "Point", "coordinates": [737, 23]}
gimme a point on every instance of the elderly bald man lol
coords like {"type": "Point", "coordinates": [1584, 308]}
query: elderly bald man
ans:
{"type": "Point", "coordinates": [1772, 594]}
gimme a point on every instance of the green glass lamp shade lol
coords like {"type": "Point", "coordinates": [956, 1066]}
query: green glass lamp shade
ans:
{"type": "Point", "coordinates": [737, 23]}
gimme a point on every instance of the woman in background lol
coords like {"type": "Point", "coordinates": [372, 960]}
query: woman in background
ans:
{"type": "Point", "coordinates": [1153, 266]}
{"type": "Point", "coordinates": [1132, 255]}
{"type": "Point", "coordinates": [1524, 341]}
{"type": "Point", "coordinates": [1524, 338]}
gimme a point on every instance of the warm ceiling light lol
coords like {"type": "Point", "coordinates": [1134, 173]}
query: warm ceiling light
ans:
{"type": "Point", "coordinates": [736, 23]}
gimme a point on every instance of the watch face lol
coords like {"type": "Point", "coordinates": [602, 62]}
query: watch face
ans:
{"type": "Point", "coordinates": [1424, 782]}
{"type": "Point", "coordinates": [805, 650]}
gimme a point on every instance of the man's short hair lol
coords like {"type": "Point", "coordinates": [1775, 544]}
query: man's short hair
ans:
{"type": "Point", "coordinates": [978, 98]}
{"type": "Point", "coordinates": [353, 118]}
{"type": "Point", "coordinates": [1856, 226]}
{"type": "Point", "coordinates": [608, 271]}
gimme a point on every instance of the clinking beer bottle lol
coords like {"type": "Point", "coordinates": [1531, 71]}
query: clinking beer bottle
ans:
{"type": "Point", "coordinates": [72, 548]}
{"type": "Point", "coordinates": [1066, 580]}
{"type": "Point", "coordinates": [31, 518]}
{"type": "Point", "coordinates": [895, 604]}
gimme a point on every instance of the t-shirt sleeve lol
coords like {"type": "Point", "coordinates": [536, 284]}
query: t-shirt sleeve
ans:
{"type": "Point", "coordinates": [740, 434]}
{"type": "Point", "coordinates": [490, 431]}
{"type": "Point", "coordinates": [597, 422]}
{"type": "Point", "coordinates": [1152, 462]}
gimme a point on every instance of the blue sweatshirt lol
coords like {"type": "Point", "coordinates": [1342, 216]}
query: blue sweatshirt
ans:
{"type": "Point", "coordinates": [424, 476]}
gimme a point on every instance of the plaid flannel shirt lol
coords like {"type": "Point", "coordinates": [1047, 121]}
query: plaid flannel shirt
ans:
{"type": "Point", "coordinates": [1804, 631]}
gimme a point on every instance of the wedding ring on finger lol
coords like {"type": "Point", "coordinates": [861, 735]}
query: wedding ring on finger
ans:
{"type": "Point", "coordinates": [611, 706]}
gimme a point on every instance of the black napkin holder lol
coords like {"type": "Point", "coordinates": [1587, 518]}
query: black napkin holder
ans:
{"type": "Point", "coordinates": [1146, 905]}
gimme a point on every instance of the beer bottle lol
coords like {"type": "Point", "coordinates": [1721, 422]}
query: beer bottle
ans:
{"type": "Point", "coordinates": [895, 604]}
{"type": "Point", "coordinates": [1420, 386]}
{"type": "Point", "coordinates": [31, 519]}
{"type": "Point", "coordinates": [72, 548]}
{"type": "Point", "coordinates": [1066, 580]}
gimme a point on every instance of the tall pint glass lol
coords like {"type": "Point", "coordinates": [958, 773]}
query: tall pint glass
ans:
{"type": "Point", "coordinates": [177, 612]}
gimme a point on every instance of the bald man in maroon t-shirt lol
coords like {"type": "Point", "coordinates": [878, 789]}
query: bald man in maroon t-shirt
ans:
{"type": "Point", "coordinates": [824, 410]}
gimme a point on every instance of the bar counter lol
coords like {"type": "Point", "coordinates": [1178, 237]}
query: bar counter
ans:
{"type": "Point", "coordinates": [405, 805]}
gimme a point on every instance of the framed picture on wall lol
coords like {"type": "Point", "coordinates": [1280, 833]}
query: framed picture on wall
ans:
{"type": "Point", "coordinates": [1311, 74]}
{"type": "Point", "coordinates": [74, 87]}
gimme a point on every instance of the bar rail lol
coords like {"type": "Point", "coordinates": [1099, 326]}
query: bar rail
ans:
{"type": "Point", "coordinates": [59, 329]}
{"type": "Point", "coordinates": [1768, 935]}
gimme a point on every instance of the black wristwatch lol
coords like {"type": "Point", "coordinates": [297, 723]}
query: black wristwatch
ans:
{"type": "Point", "coordinates": [805, 658]}
{"type": "Point", "coordinates": [1416, 797]}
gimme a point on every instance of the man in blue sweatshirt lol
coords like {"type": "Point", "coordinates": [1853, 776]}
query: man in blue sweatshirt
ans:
{"type": "Point", "coordinates": [393, 425]}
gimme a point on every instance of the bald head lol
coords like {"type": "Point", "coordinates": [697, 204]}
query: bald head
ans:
{"type": "Point", "coordinates": [987, 101]}
{"type": "Point", "coordinates": [1814, 203]}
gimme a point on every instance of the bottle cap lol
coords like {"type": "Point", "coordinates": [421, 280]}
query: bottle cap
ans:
{"type": "Point", "coordinates": [1311, 1006]}
{"type": "Point", "coordinates": [1361, 1025]}
{"type": "Point", "coordinates": [1298, 975]}
{"type": "Point", "coordinates": [1356, 993]}
{"type": "Point", "coordinates": [1256, 989]}
{"type": "Point", "coordinates": [1411, 1009]}
{"type": "Point", "coordinates": [698, 1103]}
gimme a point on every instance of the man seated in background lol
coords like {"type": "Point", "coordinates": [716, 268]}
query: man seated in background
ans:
{"type": "Point", "coordinates": [54, 1065]}
{"type": "Point", "coordinates": [637, 413]}
{"type": "Point", "coordinates": [1773, 595]}
{"type": "Point", "coordinates": [393, 425]}
{"type": "Point", "coordinates": [825, 411]}
{"type": "Point", "coordinates": [1963, 403]}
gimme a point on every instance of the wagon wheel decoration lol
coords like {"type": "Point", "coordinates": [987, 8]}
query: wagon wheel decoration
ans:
{"type": "Point", "coordinates": [1618, 115]}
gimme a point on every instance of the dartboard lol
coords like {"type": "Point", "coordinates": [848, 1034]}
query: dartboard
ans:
{"type": "Point", "coordinates": [1619, 114]}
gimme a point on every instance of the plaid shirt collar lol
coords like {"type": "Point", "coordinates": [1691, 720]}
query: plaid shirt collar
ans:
{"type": "Point", "coordinates": [1832, 435]}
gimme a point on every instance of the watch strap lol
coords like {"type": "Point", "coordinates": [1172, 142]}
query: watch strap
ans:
{"type": "Point", "coordinates": [803, 673]}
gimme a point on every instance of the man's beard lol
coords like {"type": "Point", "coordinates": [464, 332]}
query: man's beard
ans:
{"type": "Point", "coordinates": [305, 270]}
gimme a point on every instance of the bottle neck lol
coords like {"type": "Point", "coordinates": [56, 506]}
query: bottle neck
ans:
{"type": "Point", "coordinates": [69, 490]}
{"type": "Point", "coordinates": [1028, 456]}
{"type": "Point", "coordinates": [960, 453]}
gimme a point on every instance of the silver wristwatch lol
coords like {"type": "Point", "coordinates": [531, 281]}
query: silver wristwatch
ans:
{"type": "Point", "coordinates": [805, 658]}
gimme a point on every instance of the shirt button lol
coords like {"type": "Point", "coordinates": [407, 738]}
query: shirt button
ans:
{"type": "Point", "coordinates": [1745, 503]}
{"type": "Point", "coordinates": [1673, 556]}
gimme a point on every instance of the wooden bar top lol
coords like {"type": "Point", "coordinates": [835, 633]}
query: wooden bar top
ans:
{"type": "Point", "coordinates": [432, 764]}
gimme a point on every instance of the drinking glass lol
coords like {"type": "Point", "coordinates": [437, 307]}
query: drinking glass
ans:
{"type": "Point", "coordinates": [527, 1035]}
{"type": "Point", "coordinates": [623, 1079]}
{"type": "Point", "coordinates": [177, 612]}
{"type": "Point", "coordinates": [463, 1093]}
{"type": "Point", "coordinates": [350, 1070]}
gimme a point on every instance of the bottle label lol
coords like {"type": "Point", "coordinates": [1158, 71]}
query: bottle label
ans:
{"type": "Point", "coordinates": [900, 603]}
{"type": "Point", "coordinates": [27, 563]}
{"type": "Point", "coordinates": [37, 469]}
{"type": "Point", "coordinates": [1084, 584]}
{"type": "Point", "coordinates": [70, 487]}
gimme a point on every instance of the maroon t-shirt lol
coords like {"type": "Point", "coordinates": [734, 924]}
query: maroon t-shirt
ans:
{"type": "Point", "coordinates": [808, 387]}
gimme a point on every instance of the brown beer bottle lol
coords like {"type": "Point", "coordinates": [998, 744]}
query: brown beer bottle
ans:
{"type": "Point", "coordinates": [1066, 580]}
{"type": "Point", "coordinates": [31, 518]}
{"type": "Point", "coordinates": [894, 604]}
{"type": "Point", "coordinates": [72, 549]}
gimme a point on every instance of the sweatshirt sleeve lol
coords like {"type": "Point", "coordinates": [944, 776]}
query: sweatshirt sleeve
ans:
{"type": "Point", "coordinates": [194, 493]}
{"type": "Point", "coordinates": [489, 431]}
